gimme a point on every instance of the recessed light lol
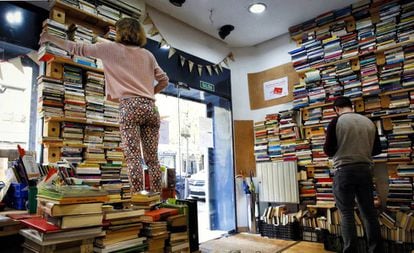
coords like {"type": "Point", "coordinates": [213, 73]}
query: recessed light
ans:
{"type": "Point", "coordinates": [257, 8]}
{"type": "Point", "coordinates": [165, 46]}
{"type": "Point", "coordinates": [14, 17]}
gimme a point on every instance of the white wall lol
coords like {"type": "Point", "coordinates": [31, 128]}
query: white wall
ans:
{"type": "Point", "coordinates": [256, 59]}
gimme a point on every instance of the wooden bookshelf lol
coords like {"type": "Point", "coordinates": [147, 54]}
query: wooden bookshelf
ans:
{"type": "Point", "coordinates": [83, 121]}
{"type": "Point", "coordinates": [396, 115]}
{"type": "Point", "coordinates": [59, 144]}
{"type": "Point", "coordinates": [64, 60]}
{"type": "Point", "coordinates": [79, 14]}
{"type": "Point", "coordinates": [322, 206]}
{"type": "Point", "coordinates": [316, 125]}
{"type": "Point", "coordinates": [326, 104]}
{"type": "Point", "coordinates": [396, 91]}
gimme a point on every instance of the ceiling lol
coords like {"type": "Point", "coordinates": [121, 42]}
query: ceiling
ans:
{"type": "Point", "coordinates": [250, 29]}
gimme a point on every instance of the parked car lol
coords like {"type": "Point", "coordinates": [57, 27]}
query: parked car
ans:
{"type": "Point", "coordinates": [197, 185]}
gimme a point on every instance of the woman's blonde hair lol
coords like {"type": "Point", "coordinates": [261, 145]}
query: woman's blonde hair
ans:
{"type": "Point", "coordinates": [129, 31]}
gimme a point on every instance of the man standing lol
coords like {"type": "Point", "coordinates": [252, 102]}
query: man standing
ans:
{"type": "Point", "coordinates": [352, 139]}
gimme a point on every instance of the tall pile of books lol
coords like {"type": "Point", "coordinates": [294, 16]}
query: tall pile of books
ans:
{"type": "Point", "coordinates": [122, 229]}
{"type": "Point", "coordinates": [330, 83]}
{"type": "Point", "coordinates": [111, 180]}
{"type": "Point", "coordinates": [289, 132]}
{"type": "Point", "coordinates": [332, 49]}
{"type": "Point", "coordinates": [71, 219]}
{"type": "Point", "coordinates": [300, 95]}
{"type": "Point", "coordinates": [94, 136]}
{"type": "Point", "coordinates": [349, 79]}
{"type": "Point", "coordinates": [74, 93]}
{"type": "Point", "coordinates": [406, 26]}
{"type": "Point", "coordinates": [108, 12]}
{"type": "Point", "coordinates": [112, 137]}
{"type": "Point", "coordinates": [314, 116]}
{"type": "Point", "coordinates": [366, 35]}
{"type": "Point", "coordinates": [72, 133]}
{"type": "Point", "coordinates": [56, 29]}
{"type": "Point", "coordinates": [303, 152]}
{"type": "Point", "coordinates": [387, 27]}
{"type": "Point", "coordinates": [299, 58]}
{"type": "Point", "coordinates": [156, 234]}
{"type": "Point", "coordinates": [349, 45]}
{"type": "Point", "coordinates": [369, 75]}
{"type": "Point", "coordinates": [177, 226]}
{"type": "Point", "coordinates": [400, 194]}
{"type": "Point", "coordinates": [314, 51]}
{"type": "Point", "coordinates": [111, 111]}
{"type": "Point", "coordinates": [95, 96]}
{"type": "Point", "coordinates": [390, 76]}
{"type": "Point", "coordinates": [399, 148]}
{"type": "Point", "coordinates": [317, 141]}
{"type": "Point", "coordinates": [50, 97]}
{"type": "Point", "coordinates": [316, 92]}
{"type": "Point", "coordinates": [90, 173]}
{"type": "Point", "coordinates": [324, 192]}
{"type": "Point", "coordinates": [260, 142]}
{"type": "Point", "coordinates": [272, 128]}
{"type": "Point", "coordinates": [408, 72]}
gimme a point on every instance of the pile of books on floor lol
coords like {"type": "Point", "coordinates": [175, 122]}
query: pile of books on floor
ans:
{"type": "Point", "coordinates": [71, 217]}
{"type": "Point", "coordinates": [50, 97]}
{"type": "Point", "coordinates": [400, 194]}
{"type": "Point", "coordinates": [122, 229]}
{"type": "Point", "coordinates": [178, 227]}
{"type": "Point", "coordinates": [397, 227]}
{"type": "Point", "coordinates": [95, 96]}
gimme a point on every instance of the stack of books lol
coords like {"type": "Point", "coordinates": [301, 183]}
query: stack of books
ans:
{"type": "Point", "coordinates": [386, 31]}
{"type": "Point", "coordinates": [111, 33]}
{"type": "Point", "coordinates": [402, 126]}
{"type": "Point", "coordinates": [372, 104]}
{"type": "Point", "coordinates": [72, 133]}
{"type": "Point", "coordinates": [338, 29]}
{"type": "Point", "coordinates": [299, 58]}
{"type": "Point", "coordinates": [145, 201]}
{"type": "Point", "coordinates": [95, 96]}
{"type": "Point", "coordinates": [332, 49]}
{"type": "Point", "coordinates": [94, 136]}
{"type": "Point", "coordinates": [273, 138]}
{"type": "Point", "coordinates": [303, 152]}
{"type": "Point", "coordinates": [177, 226]}
{"type": "Point", "coordinates": [73, 3]}
{"type": "Point", "coordinates": [126, 186]}
{"type": "Point", "coordinates": [316, 92]}
{"type": "Point", "coordinates": [111, 180]}
{"type": "Point", "coordinates": [50, 97]}
{"type": "Point", "coordinates": [289, 132]}
{"type": "Point", "coordinates": [390, 76]}
{"type": "Point", "coordinates": [349, 45]}
{"type": "Point", "coordinates": [111, 111]}
{"type": "Point", "coordinates": [156, 234]}
{"type": "Point", "coordinates": [399, 100]}
{"type": "Point", "coordinates": [366, 35]}
{"type": "Point", "coordinates": [55, 28]}
{"type": "Point", "coordinates": [324, 192]}
{"type": "Point", "coordinates": [90, 173]}
{"type": "Point", "coordinates": [399, 148]}
{"type": "Point", "coordinates": [343, 13]}
{"type": "Point", "coordinates": [400, 194]}
{"type": "Point", "coordinates": [314, 116]}
{"type": "Point", "coordinates": [360, 9]}
{"type": "Point", "coordinates": [108, 12]}
{"type": "Point", "coordinates": [74, 93]}
{"type": "Point", "coordinates": [307, 192]}
{"type": "Point", "coordinates": [260, 142]}
{"type": "Point", "coordinates": [328, 113]}
{"type": "Point", "coordinates": [405, 28]}
{"type": "Point", "coordinates": [112, 137]}
{"type": "Point", "coordinates": [122, 229]}
{"type": "Point", "coordinates": [300, 95]}
{"type": "Point", "coordinates": [369, 75]}
{"type": "Point", "coordinates": [94, 155]}
{"type": "Point", "coordinates": [88, 7]}
{"type": "Point", "coordinates": [325, 18]}
{"type": "Point", "coordinates": [405, 170]}
{"type": "Point", "coordinates": [314, 51]}
{"type": "Point", "coordinates": [323, 33]}
{"type": "Point", "coordinates": [330, 83]}
{"type": "Point", "coordinates": [317, 142]}
{"type": "Point", "coordinates": [80, 33]}
{"type": "Point", "coordinates": [349, 80]}
{"type": "Point", "coordinates": [408, 72]}
{"type": "Point", "coordinates": [71, 219]}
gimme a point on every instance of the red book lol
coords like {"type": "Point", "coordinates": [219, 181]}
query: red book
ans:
{"type": "Point", "coordinates": [41, 225]}
{"type": "Point", "coordinates": [21, 216]}
{"type": "Point", "coordinates": [159, 214]}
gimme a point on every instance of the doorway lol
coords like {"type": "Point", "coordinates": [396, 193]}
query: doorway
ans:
{"type": "Point", "coordinates": [196, 140]}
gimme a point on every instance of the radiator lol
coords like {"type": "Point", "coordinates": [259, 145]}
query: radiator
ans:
{"type": "Point", "coordinates": [278, 182]}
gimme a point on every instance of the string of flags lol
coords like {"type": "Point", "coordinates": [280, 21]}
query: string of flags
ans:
{"type": "Point", "coordinates": [210, 68]}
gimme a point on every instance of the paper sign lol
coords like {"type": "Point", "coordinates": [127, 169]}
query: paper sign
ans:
{"type": "Point", "coordinates": [276, 88]}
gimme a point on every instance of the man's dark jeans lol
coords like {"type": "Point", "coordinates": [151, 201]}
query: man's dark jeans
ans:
{"type": "Point", "coordinates": [355, 182]}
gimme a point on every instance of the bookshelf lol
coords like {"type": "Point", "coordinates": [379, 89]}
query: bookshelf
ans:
{"type": "Point", "coordinates": [77, 123]}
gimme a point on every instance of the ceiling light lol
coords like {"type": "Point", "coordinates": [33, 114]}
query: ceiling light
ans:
{"type": "Point", "coordinates": [225, 30]}
{"type": "Point", "coordinates": [257, 8]}
{"type": "Point", "coordinates": [165, 46]}
{"type": "Point", "coordinates": [14, 17]}
{"type": "Point", "coordinates": [177, 3]}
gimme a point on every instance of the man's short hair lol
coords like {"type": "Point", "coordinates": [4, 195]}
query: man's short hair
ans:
{"type": "Point", "coordinates": [342, 102]}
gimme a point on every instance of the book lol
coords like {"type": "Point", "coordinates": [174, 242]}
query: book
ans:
{"type": "Point", "coordinates": [54, 209]}
{"type": "Point", "coordinates": [122, 214]}
{"type": "Point", "coordinates": [76, 221]}
{"type": "Point", "coordinates": [156, 215]}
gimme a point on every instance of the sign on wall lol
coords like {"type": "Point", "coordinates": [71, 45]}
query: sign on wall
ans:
{"type": "Point", "coordinates": [276, 88]}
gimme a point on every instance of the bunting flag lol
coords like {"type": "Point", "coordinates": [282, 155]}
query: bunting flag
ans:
{"type": "Point", "coordinates": [171, 52]}
{"type": "Point", "coordinates": [211, 69]}
{"type": "Point", "coordinates": [200, 69]}
{"type": "Point", "coordinates": [34, 57]}
{"type": "Point", "coordinates": [216, 69]}
{"type": "Point", "coordinates": [17, 63]}
{"type": "Point", "coordinates": [182, 60]}
{"type": "Point", "coordinates": [153, 31]}
{"type": "Point", "coordinates": [208, 67]}
{"type": "Point", "coordinates": [190, 66]}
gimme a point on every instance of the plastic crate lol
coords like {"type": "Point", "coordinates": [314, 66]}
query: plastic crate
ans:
{"type": "Point", "coordinates": [288, 232]}
{"type": "Point", "coordinates": [19, 190]}
{"type": "Point", "coordinates": [335, 243]}
{"type": "Point", "coordinates": [398, 247]}
{"type": "Point", "coordinates": [19, 203]}
{"type": "Point", "coordinates": [311, 234]}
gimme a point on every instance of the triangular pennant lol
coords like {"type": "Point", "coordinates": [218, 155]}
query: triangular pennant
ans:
{"type": "Point", "coordinates": [200, 69]}
{"type": "Point", "coordinates": [182, 60]}
{"type": "Point", "coordinates": [33, 56]}
{"type": "Point", "coordinates": [190, 66]}
{"type": "Point", "coordinates": [147, 20]}
{"type": "Point", "coordinates": [163, 43]}
{"type": "Point", "coordinates": [231, 56]}
{"type": "Point", "coordinates": [226, 62]}
{"type": "Point", "coordinates": [220, 67]}
{"type": "Point", "coordinates": [208, 67]}
{"type": "Point", "coordinates": [1, 74]}
{"type": "Point", "coordinates": [17, 63]}
{"type": "Point", "coordinates": [171, 52]}
{"type": "Point", "coordinates": [216, 69]}
{"type": "Point", "coordinates": [153, 31]}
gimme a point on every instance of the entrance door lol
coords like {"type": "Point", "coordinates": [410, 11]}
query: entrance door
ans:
{"type": "Point", "coordinates": [196, 139]}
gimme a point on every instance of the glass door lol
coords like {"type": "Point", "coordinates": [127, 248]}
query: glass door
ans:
{"type": "Point", "coordinates": [196, 140]}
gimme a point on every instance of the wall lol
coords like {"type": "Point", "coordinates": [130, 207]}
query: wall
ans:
{"type": "Point", "coordinates": [269, 54]}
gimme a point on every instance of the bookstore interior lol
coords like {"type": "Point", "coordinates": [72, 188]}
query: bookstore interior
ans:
{"type": "Point", "coordinates": [245, 95]}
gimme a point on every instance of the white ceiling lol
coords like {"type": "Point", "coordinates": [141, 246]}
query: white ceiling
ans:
{"type": "Point", "coordinates": [250, 29]}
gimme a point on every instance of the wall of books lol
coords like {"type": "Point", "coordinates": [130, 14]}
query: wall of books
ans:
{"type": "Point", "coordinates": [364, 51]}
{"type": "Point", "coordinates": [79, 125]}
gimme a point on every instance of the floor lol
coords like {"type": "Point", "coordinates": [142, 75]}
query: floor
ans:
{"type": "Point", "coordinates": [248, 243]}
{"type": "Point", "coordinates": [204, 232]}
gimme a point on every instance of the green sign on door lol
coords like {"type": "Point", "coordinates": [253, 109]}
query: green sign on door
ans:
{"type": "Point", "coordinates": [207, 86]}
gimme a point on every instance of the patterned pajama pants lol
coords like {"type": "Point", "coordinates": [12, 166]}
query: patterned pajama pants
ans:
{"type": "Point", "coordinates": [140, 124]}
